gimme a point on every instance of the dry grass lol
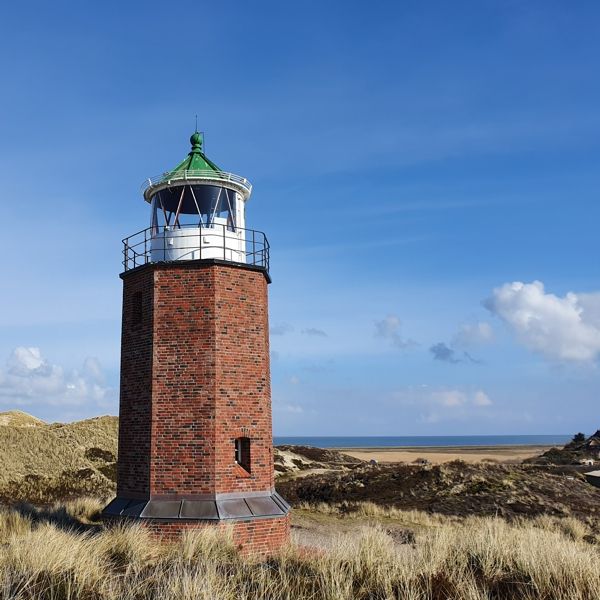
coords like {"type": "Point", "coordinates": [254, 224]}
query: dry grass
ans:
{"type": "Point", "coordinates": [42, 463]}
{"type": "Point", "coordinates": [376, 511]}
{"type": "Point", "coordinates": [60, 554]}
{"type": "Point", "coordinates": [18, 418]}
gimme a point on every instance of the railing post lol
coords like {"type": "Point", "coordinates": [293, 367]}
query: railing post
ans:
{"type": "Point", "coordinates": [223, 226]}
{"type": "Point", "coordinates": [253, 248]}
{"type": "Point", "coordinates": [126, 253]}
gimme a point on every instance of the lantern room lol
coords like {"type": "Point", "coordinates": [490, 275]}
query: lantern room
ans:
{"type": "Point", "coordinates": [197, 212]}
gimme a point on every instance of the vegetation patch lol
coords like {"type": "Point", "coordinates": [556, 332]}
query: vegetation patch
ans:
{"type": "Point", "coordinates": [579, 450]}
{"type": "Point", "coordinates": [455, 488]}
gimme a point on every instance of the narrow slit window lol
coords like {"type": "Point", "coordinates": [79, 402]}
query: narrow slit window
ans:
{"type": "Point", "coordinates": [137, 308]}
{"type": "Point", "coordinates": [242, 453]}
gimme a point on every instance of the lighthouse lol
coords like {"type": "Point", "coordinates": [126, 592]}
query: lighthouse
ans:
{"type": "Point", "coordinates": [195, 426]}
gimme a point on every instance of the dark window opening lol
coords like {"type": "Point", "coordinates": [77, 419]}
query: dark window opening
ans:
{"type": "Point", "coordinates": [137, 308]}
{"type": "Point", "coordinates": [242, 452]}
{"type": "Point", "coordinates": [201, 206]}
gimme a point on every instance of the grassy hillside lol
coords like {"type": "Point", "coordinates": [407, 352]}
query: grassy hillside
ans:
{"type": "Point", "coordinates": [42, 463]}
{"type": "Point", "coordinates": [18, 418]}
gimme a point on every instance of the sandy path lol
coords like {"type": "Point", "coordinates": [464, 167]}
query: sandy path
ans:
{"type": "Point", "coordinates": [437, 455]}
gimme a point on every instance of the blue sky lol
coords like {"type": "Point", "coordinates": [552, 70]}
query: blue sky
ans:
{"type": "Point", "coordinates": [427, 174]}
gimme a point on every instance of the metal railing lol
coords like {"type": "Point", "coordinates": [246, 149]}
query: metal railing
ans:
{"type": "Point", "coordinates": [193, 242]}
{"type": "Point", "coordinates": [166, 178]}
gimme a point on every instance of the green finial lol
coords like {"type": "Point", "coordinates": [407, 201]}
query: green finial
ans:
{"type": "Point", "coordinates": [196, 140]}
{"type": "Point", "coordinates": [195, 160]}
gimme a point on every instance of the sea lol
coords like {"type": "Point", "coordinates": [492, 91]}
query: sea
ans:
{"type": "Point", "coordinates": [419, 441]}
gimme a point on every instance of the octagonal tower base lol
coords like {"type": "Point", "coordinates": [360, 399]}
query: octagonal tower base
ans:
{"type": "Point", "coordinates": [195, 439]}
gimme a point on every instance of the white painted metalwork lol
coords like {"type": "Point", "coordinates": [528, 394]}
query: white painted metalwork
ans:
{"type": "Point", "coordinates": [153, 184]}
{"type": "Point", "coordinates": [194, 243]}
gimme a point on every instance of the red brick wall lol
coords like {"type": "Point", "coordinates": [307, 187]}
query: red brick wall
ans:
{"type": "Point", "coordinates": [133, 469]}
{"type": "Point", "coordinates": [257, 536]}
{"type": "Point", "coordinates": [243, 390]}
{"type": "Point", "coordinates": [183, 395]}
{"type": "Point", "coordinates": [195, 375]}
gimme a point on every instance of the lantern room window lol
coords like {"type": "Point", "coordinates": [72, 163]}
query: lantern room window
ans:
{"type": "Point", "coordinates": [242, 452]}
{"type": "Point", "coordinates": [197, 205]}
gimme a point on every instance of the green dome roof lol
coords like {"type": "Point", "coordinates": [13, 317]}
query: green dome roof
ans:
{"type": "Point", "coordinates": [198, 168]}
{"type": "Point", "coordinates": [196, 160]}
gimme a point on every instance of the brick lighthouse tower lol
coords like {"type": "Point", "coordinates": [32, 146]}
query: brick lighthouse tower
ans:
{"type": "Point", "coordinates": [195, 438]}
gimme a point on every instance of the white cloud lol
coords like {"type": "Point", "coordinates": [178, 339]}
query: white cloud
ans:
{"type": "Point", "coordinates": [563, 329]}
{"type": "Point", "coordinates": [92, 369]}
{"type": "Point", "coordinates": [471, 334]}
{"type": "Point", "coordinates": [450, 398]}
{"type": "Point", "coordinates": [389, 328]}
{"type": "Point", "coordinates": [29, 379]}
{"type": "Point", "coordinates": [25, 360]}
{"type": "Point", "coordinates": [480, 398]}
{"type": "Point", "coordinates": [286, 407]}
{"type": "Point", "coordinates": [436, 405]}
{"type": "Point", "coordinates": [294, 380]}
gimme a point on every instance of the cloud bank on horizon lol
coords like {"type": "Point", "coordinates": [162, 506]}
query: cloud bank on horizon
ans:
{"type": "Point", "coordinates": [30, 381]}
